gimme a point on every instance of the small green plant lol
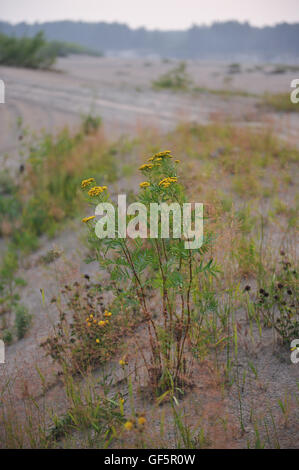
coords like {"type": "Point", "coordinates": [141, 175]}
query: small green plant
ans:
{"type": "Point", "coordinates": [234, 68]}
{"type": "Point", "coordinates": [87, 333]}
{"type": "Point", "coordinates": [22, 321]}
{"type": "Point", "coordinates": [91, 124]}
{"type": "Point", "coordinates": [7, 337]}
{"type": "Point", "coordinates": [97, 414]}
{"type": "Point", "coordinates": [9, 299]}
{"type": "Point", "coordinates": [8, 282]}
{"type": "Point", "coordinates": [176, 79]}
{"type": "Point", "coordinates": [277, 302]}
{"type": "Point", "coordinates": [280, 102]}
{"type": "Point", "coordinates": [246, 254]}
{"type": "Point", "coordinates": [10, 204]}
{"type": "Point", "coordinates": [185, 436]}
{"type": "Point", "coordinates": [51, 256]}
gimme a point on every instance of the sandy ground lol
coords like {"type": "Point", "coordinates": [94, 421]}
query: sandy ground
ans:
{"type": "Point", "coordinates": [120, 91]}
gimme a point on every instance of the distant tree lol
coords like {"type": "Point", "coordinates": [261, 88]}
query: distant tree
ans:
{"type": "Point", "coordinates": [26, 51]}
{"type": "Point", "coordinates": [219, 40]}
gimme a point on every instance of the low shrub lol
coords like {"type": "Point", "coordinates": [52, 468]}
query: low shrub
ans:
{"type": "Point", "coordinates": [176, 79]}
{"type": "Point", "coordinates": [22, 321]}
{"type": "Point", "coordinates": [26, 52]}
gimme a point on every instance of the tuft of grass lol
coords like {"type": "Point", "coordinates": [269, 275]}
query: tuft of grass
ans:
{"type": "Point", "coordinates": [91, 124]}
{"type": "Point", "coordinates": [175, 79]}
{"type": "Point", "coordinates": [22, 321]}
{"type": "Point", "coordinates": [223, 92]}
{"type": "Point", "coordinates": [280, 102]}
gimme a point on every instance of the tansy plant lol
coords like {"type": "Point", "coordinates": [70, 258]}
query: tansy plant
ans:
{"type": "Point", "coordinates": [162, 266]}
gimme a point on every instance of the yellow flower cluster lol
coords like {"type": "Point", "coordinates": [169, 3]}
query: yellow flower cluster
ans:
{"type": "Point", "coordinates": [168, 181]}
{"type": "Point", "coordinates": [87, 219]}
{"type": "Point", "coordinates": [107, 314]}
{"type": "Point", "coordinates": [146, 166]}
{"type": "Point", "coordinates": [96, 190]}
{"type": "Point", "coordinates": [93, 321]}
{"type": "Point", "coordinates": [159, 156]}
{"type": "Point", "coordinates": [122, 362]}
{"type": "Point", "coordinates": [132, 423]}
{"type": "Point", "coordinates": [145, 184]}
{"type": "Point", "coordinates": [87, 182]}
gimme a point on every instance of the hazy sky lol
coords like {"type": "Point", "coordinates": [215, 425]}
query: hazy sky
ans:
{"type": "Point", "coordinates": [162, 14]}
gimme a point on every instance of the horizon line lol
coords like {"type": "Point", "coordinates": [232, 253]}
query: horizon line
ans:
{"type": "Point", "coordinates": [207, 25]}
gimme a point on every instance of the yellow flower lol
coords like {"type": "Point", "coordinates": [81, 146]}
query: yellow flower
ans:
{"type": "Point", "coordinates": [122, 401]}
{"type": "Point", "coordinates": [141, 420]}
{"type": "Point", "coordinates": [159, 156]}
{"type": "Point", "coordinates": [97, 340]}
{"type": "Point", "coordinates": [177, 161]}
{"type": "Point", "coordinates": [128, 425]}
{"type": "Point", "coordinates": [165, 153]}
{"type": "Point", "coordinates": [95, 321]}
{"type": "Point", "coordinates": [107, 314]}
{"type": "Point", "coordinates": [96, 190]}
{"type": "Point", "coordinates": [146, 166]}
{"type": "Point", "coordinates": [87, 219]}
{"type": "Point", "coordinates": [102, 323]}
{"type": "Point", "coordinates": [145, 184]}
{"type": "Point", "coordinates": [91, 315]}
{"type": "Point", "coordinates": [122, 362]}
{"type": "Point", "coordinates": [167, 181]}
{"type": "Point", "coordinates": [87, 182]}
{"type": "Point", "coordinates": [88, 324]}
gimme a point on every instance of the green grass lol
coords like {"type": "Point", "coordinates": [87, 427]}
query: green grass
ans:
{"type": "Point", "coordinates": [280, 102]}
{"type": "Point", "coordinates": [224, 92]}
{"type": "Point", "coordinates": [175, 79]}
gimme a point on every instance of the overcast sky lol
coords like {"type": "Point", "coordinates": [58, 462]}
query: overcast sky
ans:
{"type": "Point", "coordinates": [162, 14]}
